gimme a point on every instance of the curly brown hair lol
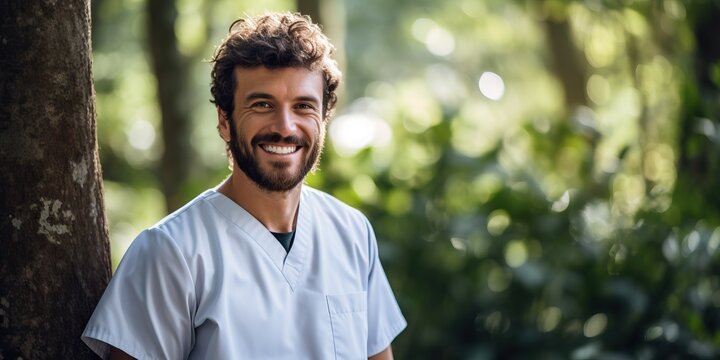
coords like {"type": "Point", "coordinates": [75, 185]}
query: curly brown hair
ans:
{"type": "Point", "coordinates": [273, 40]}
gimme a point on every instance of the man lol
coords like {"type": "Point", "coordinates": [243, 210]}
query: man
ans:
{"type": "Point", "coordinates": [260, 267]}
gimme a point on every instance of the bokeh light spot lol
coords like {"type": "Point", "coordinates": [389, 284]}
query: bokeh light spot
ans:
{"type": "Point", "coordinates": [562, 203]}
{"type": "Point", "coordinates": [437, 40]}
{"type": "Point", "coordinates": [496, 323]}
{"type": "Point", "coordinates": [141, 134]}
{"type": "Point", "coordinates": [598, 89]}
{"type": "Point", "coordinates": [398, 202]}
{"type": "Point", "coordinates": [459, 243]}
{"type": "Point", "coordinates": [600, 48]}
{"type": "Point", "coordinates": [653, 333]}
{"type": "Point", "coordinates": [671, 332]}
{"type": "Point", "coordinates": [516, 253]}
{"type": "Point", "coordinates": [595, 325]}
{"type": "Point", "coordinates": [365, 188]}
{"type": "Point", "coordinates": [352, 132]}
{"type": "Point", "coordinates": [498, 221]}
{"type": "Point", "coordinates": [691, 242]}
{"type": "Point", "coordinates": [491, 85]}
{"type": "Point", "coordinates": [675, 9]}
{"type": "Point", "coordinates": [549, 318]}
{"type": "Point", "coordinates": [498, 279]}
{"type": "Point", "coordinates": [440, 42]}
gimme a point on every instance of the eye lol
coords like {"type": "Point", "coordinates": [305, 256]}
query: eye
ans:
{"type": "Point", "coordinates": [305, 106]}
{"type": "Point", "coordinates": [261, 104]}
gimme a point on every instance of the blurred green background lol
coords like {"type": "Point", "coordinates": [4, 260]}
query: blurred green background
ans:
{"type": "Point", "coordinates": [543, 176]}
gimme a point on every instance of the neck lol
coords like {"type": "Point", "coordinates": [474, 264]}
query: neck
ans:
{"type": "Point", "coordinates": [277, 211]}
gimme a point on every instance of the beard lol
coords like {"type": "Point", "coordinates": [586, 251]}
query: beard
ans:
{"type": "Point", "coordinates": [277, 178]}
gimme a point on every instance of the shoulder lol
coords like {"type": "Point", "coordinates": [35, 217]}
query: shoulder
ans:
{"type": "Point", "coordinates": [335, 217]}
{"type": "Point", "coordinates": [185, 231]}
{"type": "Point", "coordinates": [191, 212]}
{"type": "Point", "coordinates": [327, 203]}
{"type": "Point", "coordinates": [195, 218]}
{"type": "Point", "coordinates": [180, 237]}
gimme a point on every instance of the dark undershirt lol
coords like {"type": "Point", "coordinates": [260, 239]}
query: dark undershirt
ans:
{"type": "Point", "coordinates": [285, 239]}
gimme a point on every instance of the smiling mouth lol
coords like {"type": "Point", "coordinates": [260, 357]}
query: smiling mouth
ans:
{"type": "Point", "coordinates": [280, 150]}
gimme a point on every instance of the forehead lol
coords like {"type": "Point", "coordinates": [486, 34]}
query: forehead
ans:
{"type": "Point", "coordinates": [281, 83]}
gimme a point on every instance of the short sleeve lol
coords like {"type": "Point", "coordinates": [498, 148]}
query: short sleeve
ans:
{"type": "Point", "coordinates": [148, 307]}
{"type": "Point", "coordinates": [385, 320]}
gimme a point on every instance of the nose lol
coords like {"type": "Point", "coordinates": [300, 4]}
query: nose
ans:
{"type": "Point", "coordinates": [284, 122]}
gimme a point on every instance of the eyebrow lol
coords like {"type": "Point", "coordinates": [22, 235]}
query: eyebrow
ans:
{"type": "Point", "coordinates": [258, 95]}
{"type": "Point", "coordinates": [308, 98]}
{"type": "Point", "coordinates": [266, 96]}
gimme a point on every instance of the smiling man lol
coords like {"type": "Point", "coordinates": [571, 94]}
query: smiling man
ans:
{"type": "Point", "coordinates": [260, 267]}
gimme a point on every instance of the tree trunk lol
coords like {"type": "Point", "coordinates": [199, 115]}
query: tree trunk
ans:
{"type": "Point", "coordinates": [331, 16]}
{"type": "Point", "coordinates": [172, 72]}
{"type": "Point", "coordinates": [698, 149]}
{"type": "Point", "coordinates": [568, 62]}
{"type": "Point", "coordinates": [54, 257]}
{"type": "Point", "coordinates": [310, 8]}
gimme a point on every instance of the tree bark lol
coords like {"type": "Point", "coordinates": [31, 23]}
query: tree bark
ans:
{"type": "Point", "coordinates": [54, 257]}
{"type": "Point", "coordinates": [172, 72]}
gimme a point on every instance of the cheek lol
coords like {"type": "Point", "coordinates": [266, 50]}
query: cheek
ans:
{"type": "Point", "coordinates": [311, 130]}
{"type": "Point", "coordinates": [318, 128]}
{"type": "Point", "coordinates": [245, 129]}
{"type": "Point", "coordinates": [323, 130]}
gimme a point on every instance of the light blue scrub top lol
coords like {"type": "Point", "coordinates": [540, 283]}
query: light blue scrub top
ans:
{"type": "Point", "coordinates": [211, 282]}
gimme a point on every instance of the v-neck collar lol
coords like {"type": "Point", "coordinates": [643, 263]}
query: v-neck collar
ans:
{"type": "Point", "coordinates": [289, 264]}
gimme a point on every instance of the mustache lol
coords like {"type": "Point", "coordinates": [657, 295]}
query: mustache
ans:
{"type": "Point", "coordinates": [277, 138]}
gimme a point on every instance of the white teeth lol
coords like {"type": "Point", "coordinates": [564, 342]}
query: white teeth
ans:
{"type": "Point", "coordinates": [279, 149]}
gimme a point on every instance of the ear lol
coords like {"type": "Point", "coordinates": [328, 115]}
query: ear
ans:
{"type": "Point", "coordinates": [223, 125]}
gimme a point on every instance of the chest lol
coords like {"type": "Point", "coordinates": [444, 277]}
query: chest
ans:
{"type": "Point", "coordinates": [311, 304]}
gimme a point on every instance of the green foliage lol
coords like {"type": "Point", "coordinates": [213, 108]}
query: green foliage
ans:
{"type": "Point", "coordinates": [530, 233]}
{"type": "Point", "coordinates": [510, 225]}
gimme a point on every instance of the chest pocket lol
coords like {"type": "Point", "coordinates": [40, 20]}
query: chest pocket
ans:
{"type": "Point", "coordinates": [348, 317]}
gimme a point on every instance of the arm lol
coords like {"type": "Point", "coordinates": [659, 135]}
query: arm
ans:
{"type": "Point", "coordinates": [385, 321]}
{"type": "Point", "coordinates": [383, 355]}
{"type": "Point", "coordinates": [117, 354]}
{"type": "Point", "coordinates": [154, 298]}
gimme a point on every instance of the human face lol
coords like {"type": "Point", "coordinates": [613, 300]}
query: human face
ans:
{"type": "Point", "coordinates": [276, 130]}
